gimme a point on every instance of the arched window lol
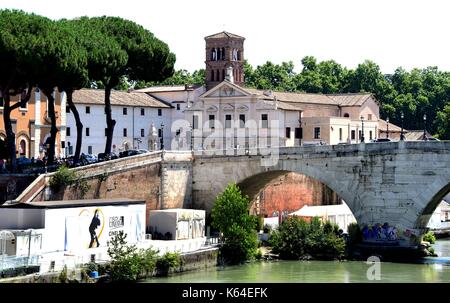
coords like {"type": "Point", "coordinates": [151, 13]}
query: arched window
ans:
{"type": "Point", "coordinates": [223, 53]}
{"type": "Point", "coordinates": [23, 148]}
{"type": "Point", "coordinates": [212, 75]}
{"type": "Point", "coordinates": [346, 115]}
{"type": "Point", "coordinates": [223, 74]}
{"type": "Point", "coordinates": [239, 55]}
{"type": "Point", "coordinates": [217, 75]}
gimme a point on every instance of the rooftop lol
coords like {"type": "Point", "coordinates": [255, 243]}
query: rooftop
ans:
{"type": "Point", "coordinates": [350, 99]}
{"type": "Point", "coordinates": [167, 88]}
{"type": "Point", "coordinates": [223, 34]}
{"type": "Point", "coordinates": [382, 126]}
{"type": "Point", "coordinates": [74, 203]}
{"type": "Point", "coordinates": [97, 96]}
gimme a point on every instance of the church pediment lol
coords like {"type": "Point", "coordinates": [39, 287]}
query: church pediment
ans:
{"type": "Point", "coordinates": [226, 89]}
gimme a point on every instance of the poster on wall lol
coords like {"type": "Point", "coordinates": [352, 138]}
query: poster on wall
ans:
{"type": "Point", "coordinates": [93, 227]}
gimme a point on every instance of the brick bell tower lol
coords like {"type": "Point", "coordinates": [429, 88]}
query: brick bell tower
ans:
{"type": "Point", "coordinates": [224, 50]}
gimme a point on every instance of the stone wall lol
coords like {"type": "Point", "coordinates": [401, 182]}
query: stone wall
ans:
{"type": "Point", "coordinates": [291, 192]}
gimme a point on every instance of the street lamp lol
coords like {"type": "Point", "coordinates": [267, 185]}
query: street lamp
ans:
{"type": "Point", "coordinates": [425, 127]}
{"type": "Point", "coordinates": [192, 137]}
{"type": "Point", "coordinates": [362, 129]}
{"type": "Point", "coordinates": [402, 137]}
{"type": "Point", "coordinates": [162, 135]}
{"type": "Point", "coordinates": [387, 127]}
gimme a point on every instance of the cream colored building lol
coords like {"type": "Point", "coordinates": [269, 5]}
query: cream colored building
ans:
{"type": "Point", "coordinates": [230, 116]}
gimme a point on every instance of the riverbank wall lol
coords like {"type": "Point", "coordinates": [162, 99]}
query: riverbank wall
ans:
{"type": "Point", "coordinates": [195, 260]}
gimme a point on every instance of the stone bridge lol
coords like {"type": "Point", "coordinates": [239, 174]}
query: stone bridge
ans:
{"type": "Point", "coordinates": [399, 183]}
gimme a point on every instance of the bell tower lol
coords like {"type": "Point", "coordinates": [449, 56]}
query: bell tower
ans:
{"type": "Point", "coordinates": [224, 51]}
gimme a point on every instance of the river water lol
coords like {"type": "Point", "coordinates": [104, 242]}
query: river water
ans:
{"type": "Point", "coordinates": [431, 270]}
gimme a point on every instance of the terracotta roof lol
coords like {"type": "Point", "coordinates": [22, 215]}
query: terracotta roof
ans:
{"type": "Point", "coordinates": [97, 96]}
{"type": "Point", "coordinates": [289, 106]}
{"type": "Point", "coordinates": [350, 99]}
{"type": "Point", "coordinates": [223, 34]}
{"type": "Point", "coordinates": [414, 135]}
{"type": "Point", "coordinates": [293, 97]}
{"type": "Point", "coordinates": [382, 126]}
{"type": "Point", "coordinates": [167, 88]}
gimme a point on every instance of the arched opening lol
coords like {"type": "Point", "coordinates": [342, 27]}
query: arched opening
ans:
{"type": "Point", "coordinates": [223, 54]}
{"type": "Point", "coordinates": [275, 195]}
{"type": "Point", "coordinates": [212, 75]}
{"type": "Point", "coordinates": [346, 115]}
{"type": "Point", "coordinates": [239, 55]}
{"type": "Point", "coordinates": [436, 214]}
{"type": "Point", "coordinates": [22, 148]}
{"type": "Point", "coordinates": [223, 74]}
{"type": "Point", "coordinates": [217, 75]}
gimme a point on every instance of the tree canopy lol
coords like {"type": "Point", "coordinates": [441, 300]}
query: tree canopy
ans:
{"type": "Point", "coordinates": [415, 93]}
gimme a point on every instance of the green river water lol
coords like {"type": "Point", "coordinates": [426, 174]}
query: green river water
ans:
{"type": "Point", "coordinates": [431, 270]}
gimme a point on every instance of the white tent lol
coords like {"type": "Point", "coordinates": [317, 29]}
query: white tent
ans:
{"type": "Point", "coordinates": [339, 214]}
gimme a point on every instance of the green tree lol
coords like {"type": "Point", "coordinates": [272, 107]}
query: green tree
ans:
{"type": "Point", "coordinates": [230, 216]}
{"type": "Point", "coordinates": [148, 59]}
{"type": "Point", "coordinates": [104, 57]}
{"type": "Point", "coordinates": [296, 238]}
{"type": "Point", "coordinates": [443, 122]}
{"type": "Point", "coordinates": [61, 61]}
{"type": "Point", "coordinates": [21, 37]}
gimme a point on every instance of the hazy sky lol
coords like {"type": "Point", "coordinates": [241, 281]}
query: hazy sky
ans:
{"type": "Point", "coordinates": [390, 32]}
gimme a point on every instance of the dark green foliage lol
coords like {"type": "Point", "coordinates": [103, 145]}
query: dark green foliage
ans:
{"type": "Point", "coordinates": [429, 237]}
{"type": "Point", "coordinates": [230, 216]}
{"type": "Point", "coordinates": [127, 262]}
{"type": "Point", "coordinates": [180, 77]}
{"type": "Point", "coordinates": [418, 92]}
{"type": "Point", "coordinates": [166, 262]}
{"type": "Point", "coordinates": [65, 177]}
{"type": "Point", "coordinates": [61, 178]}
{"type": "Point", "coordinates": [354, 233]}
{"type": "Point", "coordinates": [297, 238]}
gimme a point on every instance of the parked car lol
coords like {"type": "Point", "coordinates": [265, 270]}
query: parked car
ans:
{"type": "Point", "coordinates": [105, 157]}
{"type": "Point", "coordinates": [22, 161]}
{"type": "Point", "coordinates": [143, 151]}
{"type": "Point", "coordinates": [432, 139]}
{"type": "Point", "coordinates": [88, 159]}
{"type": "Point", "coordinates": [381, 140]}
{"type": "Point", "coordinates": [128, 153]}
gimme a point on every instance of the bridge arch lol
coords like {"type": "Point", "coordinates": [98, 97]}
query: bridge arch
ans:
{"type": "Point", "coordinates": [398, 183]}
{"type": "Point", "coordinates": [433, 198]}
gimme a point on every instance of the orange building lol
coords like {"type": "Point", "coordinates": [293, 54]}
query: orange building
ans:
{"type": "Point", "coordinates": [31, 124]}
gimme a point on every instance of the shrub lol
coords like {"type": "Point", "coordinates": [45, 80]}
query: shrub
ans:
{"type": "Point", "coordinates": [65, 177]}
{"type": "Point", "coordinates": [166, 262]}
{"type": "Point", "coordinates": [354, 234]}
{"type": "Point", "coordinates": [230, 216]}
{"type": "Point", "coordinates": [296, 238]}
{"type": "Point", "coordinates": [429, 237]}
{"type": "Point", "coordinates": [61, 178]}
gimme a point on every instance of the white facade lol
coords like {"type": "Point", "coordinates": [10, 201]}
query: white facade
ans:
{"type": "Point", "coordinates": [68, 228]}
{"type": "Point", "coordinates": [135, 124]}
{"type": "Point", "coordinates": [182, 224]}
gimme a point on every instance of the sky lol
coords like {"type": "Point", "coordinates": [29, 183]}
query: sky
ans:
{"type": "Point", "coordinates": [391, 33]}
